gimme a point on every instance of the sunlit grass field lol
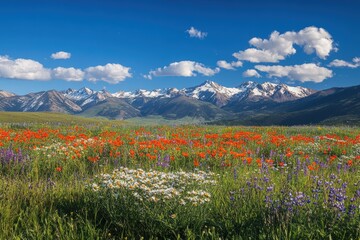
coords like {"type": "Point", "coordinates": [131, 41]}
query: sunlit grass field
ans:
{"type": "Point", "coordinates": [47, 117]}
{"type": "Point", "coordinates": [74, 178]}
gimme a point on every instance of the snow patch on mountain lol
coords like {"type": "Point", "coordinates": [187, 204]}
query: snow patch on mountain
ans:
{"type": "Point", "coordinates": [6, 94]}
{"type": "Point", "coordinates": [34, 104]}
{"type": "Point", "coordinates": [267, 90]}
{"type": "Point", "coordinates": [167, 92]}
{"type": "Point", "coordinates": [210, 87]}
{"type": "Point", "coordinates": [78, 95]}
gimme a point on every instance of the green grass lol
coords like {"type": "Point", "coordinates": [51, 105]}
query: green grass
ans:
{"type": "Point", "coordinates": [50, 118]}
{"type": "Point", "coordinates": [153, 120]}
{"type": "Point", "coordinates": [43, 117]}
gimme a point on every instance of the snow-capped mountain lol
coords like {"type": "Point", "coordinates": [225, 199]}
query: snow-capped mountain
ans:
{"type": "Point", "coordinates": [263, 96]}
{"type": "Point", "coordinates": [167, 92]}
{"type": "Point", "coordinates": [211, 92]}
{"type": "Point", "coordinates": [251, 91]}
{"type": "Point", "coordinates": [214, 93]}
{"type": "Point", "coordinates": [85, 96]}
{"type": "Point", "coordinates": [50, 101]}
{"type": "Point", "coordinates": [250, 103]}
{"type": "Point", "coordinates": [209, 95]}
{"type": "Point", "coordinates": [78, 95]}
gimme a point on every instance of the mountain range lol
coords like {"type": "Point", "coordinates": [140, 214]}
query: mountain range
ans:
{"type": "Point", "coordinates": [250, 103]}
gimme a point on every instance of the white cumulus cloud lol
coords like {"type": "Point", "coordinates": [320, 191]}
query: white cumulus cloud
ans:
{"type": "Point", "coordinates": [341, 63]}
{"type": "Point", "coordinates": [61, 55]}
{"type": "Point", "coordinates": [193, 32]}
{"type": "Point", "coordinates": [256, 56]}
{"type": "Point", "coordinates": [237, 64]}
{"type": "Point", "coordinates": [316, 40]}
{"type": "Point", "coordinates": [68, 74]}
{"type": "Point", "coordinates": [251, 73]}
{"type": "Point", "coordinates": [230, 66]}
{"type": "Point", "coordinates": [20, 68]}
{"type": "Point", "coordinates": [308, 72]}
{"type": "Point", "coordinates": [279, 46]}
{"type": "Point", "coordinates": [27, 69]}
{"type": "Point", "coordinates": [111, 73]}
{"type": "Point", "coordinates": [183, 69]}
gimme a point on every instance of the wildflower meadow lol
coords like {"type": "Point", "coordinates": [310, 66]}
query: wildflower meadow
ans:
{"type": "Point", "coordinates": [104, 181]}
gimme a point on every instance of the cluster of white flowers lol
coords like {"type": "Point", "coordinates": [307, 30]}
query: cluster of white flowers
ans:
{"type": "Point", "coordinates": [352, 154]}
{"type": "Point", "coordinates": [356, 149]}
{"type": "Point", "coordinates": [56, 149]}
{"type": "Point", "coordinates": [308, 148]}
{"type": "Point", "coordinates": [159, 186]}
{"type": "Point", "coordinates": [333, 139]}
{"type": "Point", "coordinates": [66, 150]}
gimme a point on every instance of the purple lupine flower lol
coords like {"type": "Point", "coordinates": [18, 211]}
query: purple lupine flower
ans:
{"type": "Point", "coordinates": [264, 167]}
{"type": "Point", "coordinates": [8, 156]}
{"type": "Point", "coordinates": [340, 206]}
{"type": "Point", "coordinates": [319, 182]}
{"type": "Point", "coordinates": [271, 153]}
{"type": "Point", "coordinates": [351, 210]}
{"type": "Point", "coordinates": [165, 162]}
{"type": "Point", "coordinates": [159, 162]}
{"type": "Point", "coordinates": [339, 167]}
{"type": "Point", "coordinates": [270, 188]}
{"type": "Point", "coordinates": [268, 200]}
{"type": "Point", "coordinates": [336, 198]}
{"type": "Point", "coordinates": [232, 196]}
{"type": "Point", "coordinates": [340, 197]}
{"type": "Point", "coordinates": [357, 193]}
{"type": "Point", "coordinates": [266, 179]}
{"type": "Point", "coordinates": [50, 183]}
{"type": "Point", "coordinates": [300, 199]}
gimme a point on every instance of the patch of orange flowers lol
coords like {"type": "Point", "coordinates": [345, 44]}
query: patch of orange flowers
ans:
{"type": "Point", "coordinates": [189, 145]}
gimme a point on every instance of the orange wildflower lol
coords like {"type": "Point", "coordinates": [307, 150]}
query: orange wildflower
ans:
{"type": "Point", "coordinates": [196, 163]}
{"type": "Point", "coordinates": [201, 154]}
{"type": "Point", "coordinates": [132, 153]}
{"type": "Point", "coordinates": [332, 158]}
{"type": "Point", "coordinates": [258, 161]}
{"type": "Point", "coordinates": [289, 154]}
{"type": "Point", "coordinates": [93, 159]}
{"type": "Point", "coordinates": [313, 166]}
{"type": "Point", "coordinates": [185, 154]}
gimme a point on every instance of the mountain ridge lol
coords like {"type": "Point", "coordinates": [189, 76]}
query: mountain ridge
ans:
{"type": "Point", "coordinates": [209, 101]}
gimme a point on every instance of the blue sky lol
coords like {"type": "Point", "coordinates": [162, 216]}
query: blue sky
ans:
{"type": "Point", "coordinates": [127, 45]}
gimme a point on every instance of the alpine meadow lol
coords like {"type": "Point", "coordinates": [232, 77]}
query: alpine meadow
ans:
{"type": "Point", "coordinates": [139, 119]}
